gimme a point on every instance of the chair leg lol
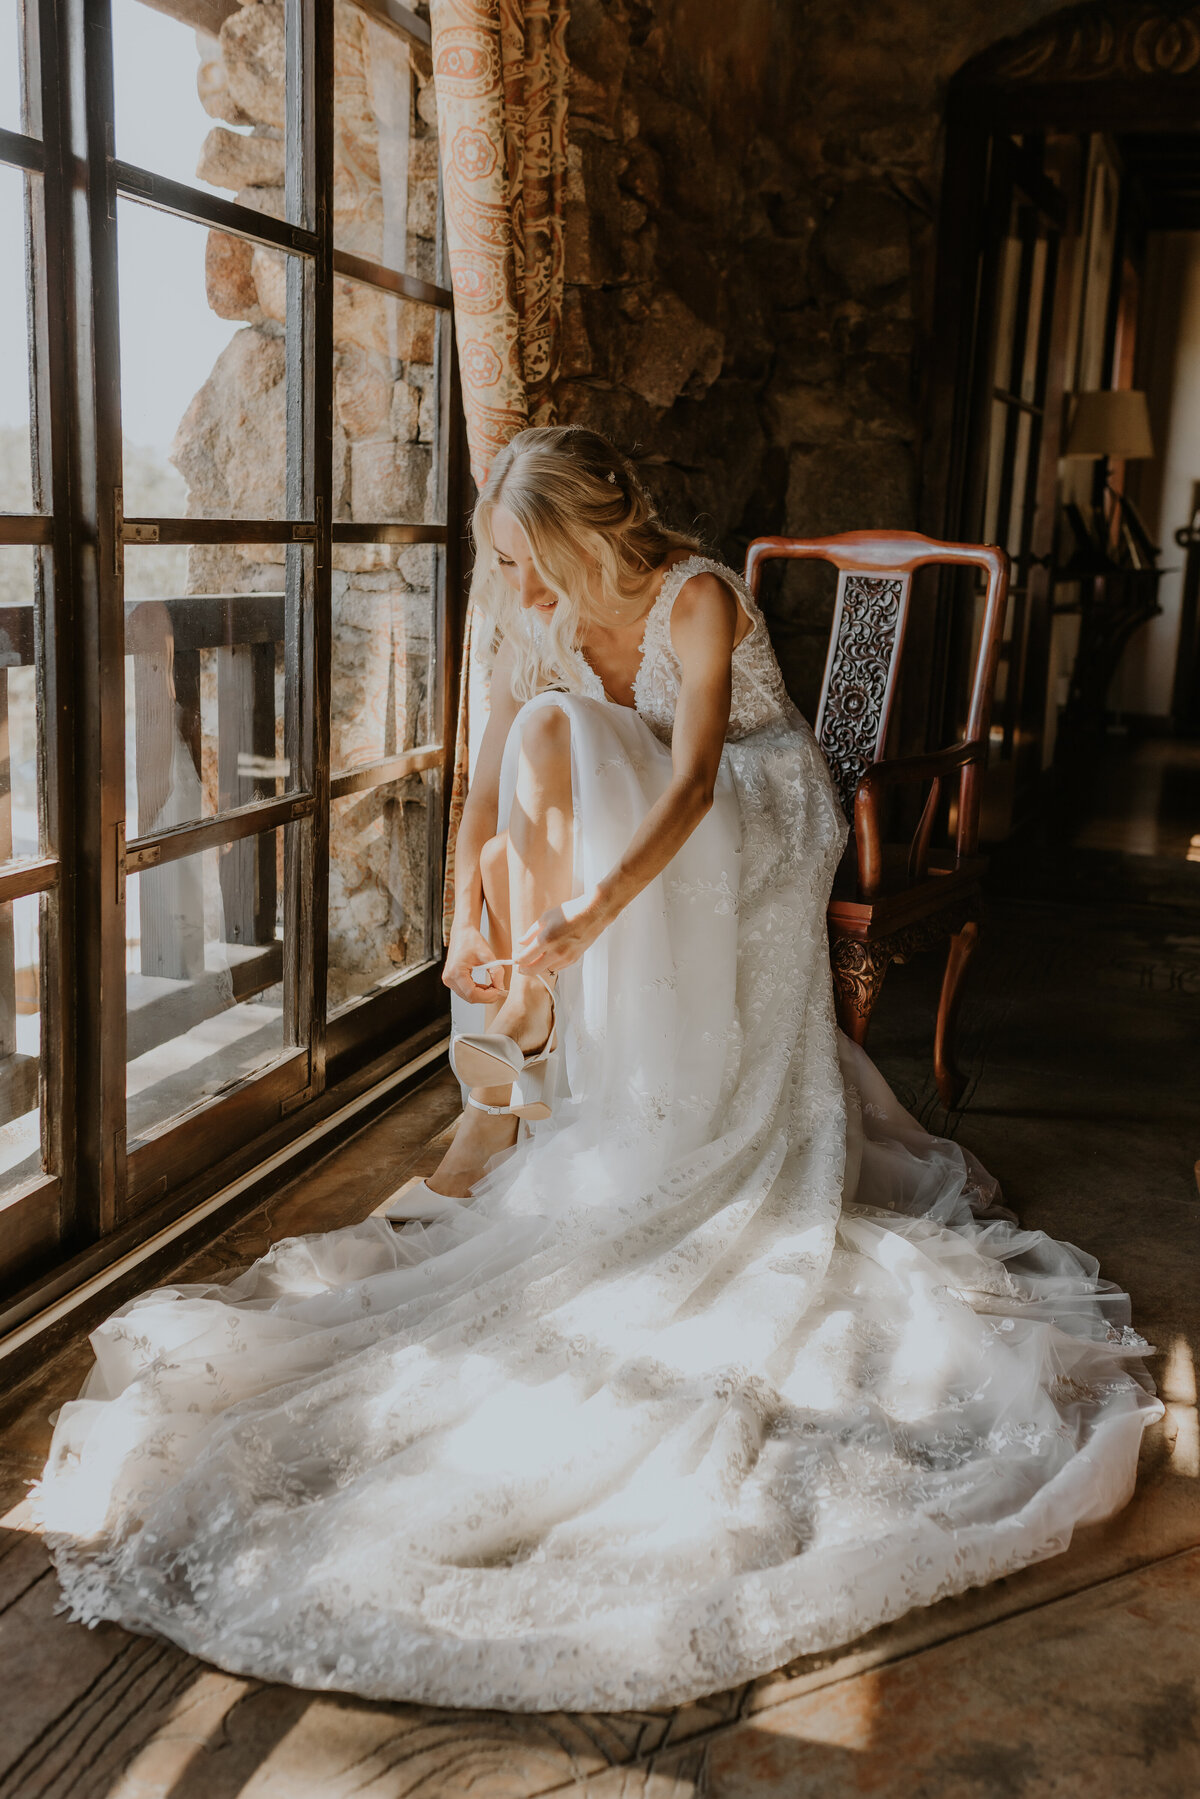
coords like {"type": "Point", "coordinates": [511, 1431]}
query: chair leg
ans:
{"type": "Point", "coordinates": [858, 971]}
{"type": "Point", "coordinates": [950, 1082]}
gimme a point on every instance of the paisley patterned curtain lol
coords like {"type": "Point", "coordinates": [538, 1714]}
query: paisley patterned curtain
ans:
{"type": "Point", "coordinates": [500, 71]}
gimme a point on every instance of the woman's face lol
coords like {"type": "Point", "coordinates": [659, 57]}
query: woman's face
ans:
{"type": "Point", "coordinates": [517, 566]}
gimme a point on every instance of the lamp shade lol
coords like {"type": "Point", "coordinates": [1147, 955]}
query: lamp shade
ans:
{"type": "Point", "coordinates": [1114, 422]}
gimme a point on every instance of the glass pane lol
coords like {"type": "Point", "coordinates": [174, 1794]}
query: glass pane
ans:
{"type": "Point", "coordinates": [204, 967]}
{"type": "Point", "coordinates": [385, 403]}
{"type": "Point", "coordinates": [199, 107]}
{"type": "Point", "coordinates": [202, 398]}
{"type": "Point", "coordinates": [19, 801]}
{"type": "Point", "coordinates": [16, 489]}
{"type": "Point", "coordinates": [379, 861]}
{"type": "Point", "coordinates": [385, 149]}
{"type": "Point", "coordinates": [10, 64]}
{"type": "Point", "coordinates": [20, 1038]}
{"type": "Point", "coordinates": [383, 648]}
{"type": "Point", "coordinates": [204, 684]}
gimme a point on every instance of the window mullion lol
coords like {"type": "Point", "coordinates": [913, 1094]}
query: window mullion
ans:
{"type": "Point", "coordinates": [309, 196]}
{"type": "Point", "coordinates": [94, 417]}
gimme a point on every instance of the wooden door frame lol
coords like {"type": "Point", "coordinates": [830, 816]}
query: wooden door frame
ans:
{"type": "Point", "coordinates": [1114, 66]}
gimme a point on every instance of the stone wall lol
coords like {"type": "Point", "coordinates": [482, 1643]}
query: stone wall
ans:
{"type": "Point", "coordinates": [230, 445]}
{"type": "Point", "coordinates": [749, 260]}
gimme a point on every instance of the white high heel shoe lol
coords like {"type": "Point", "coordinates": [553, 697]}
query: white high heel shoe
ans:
{"type": "Point", "coordinates": [418, 1200]}
{"type": "Point", "coordinates": [489, 1059]}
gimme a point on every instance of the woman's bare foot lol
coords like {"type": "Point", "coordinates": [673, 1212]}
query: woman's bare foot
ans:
{"type": "Point", "coordinates": [526, 1017]}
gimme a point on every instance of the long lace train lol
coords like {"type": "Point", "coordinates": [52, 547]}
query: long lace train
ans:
{"type": "Point", "coordinates": [729, 1361]}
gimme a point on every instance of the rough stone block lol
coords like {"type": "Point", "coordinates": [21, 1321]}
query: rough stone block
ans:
{"type": "Point", "coordinates": [231, 443]}
{"type": "Point", "coordinates": [404, 416]}
{"type": "Point", "coordinates": [363, 388]}
{"type": "Point", "coordinates": [253, 49]}
{"type": "Point", "coordinates": [264, 199]}
{"type": "Point", "coordinates": [672, 351]}
{"type": "Point", "coordinates": [362, 558]}
{"type": "Point", "coordinates": [593, 100]}
{"type": "Point", "coordinates": [639, 255]}
{"type": "Point", "coordinates": [851, 487]}
{"type": "Point", "coordinates": [577, 357]}
{"type": "Point", "coordinates": [641, 173]}
{"type": "Point", "coordinates": [599, 51]}
{"type": "Point", "coordinates": [388, 481]}
{"type": "Point", "coordinates": [229, 284]}
{"type": "Point", "coordinates": [212, 85]}
{"type": "Point", "coordinates": [427, 103]}
{"type": "Point", "coordinates": [864, 240]}
{"type": "Point", "coordinates": [420, 258]}
{"type": "Point", "coordinates": [423, 159]}
{"type": "Point", "coordinates": [415, 563]}
{"type": "Point", "coordinates": [269, 269]}
{"type": "Point", "coordinates": [881, 396]}
{"type": "Point", "coordinates": [234, 160]}
{"type": "Point", "coordinates": [698, 182]}
{"type": "Point", "coordinates": [796, 413]}
{"type": "Point", "coordinates": [422, 208]}
{"type": "Point", "coordinates": [398, 330]}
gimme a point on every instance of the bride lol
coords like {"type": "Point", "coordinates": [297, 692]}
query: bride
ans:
{"type": "Point", "coordinates": [697, 1353]}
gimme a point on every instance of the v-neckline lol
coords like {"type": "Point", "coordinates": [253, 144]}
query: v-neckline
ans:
{"type": "Point", "coordinates": [641, 652]}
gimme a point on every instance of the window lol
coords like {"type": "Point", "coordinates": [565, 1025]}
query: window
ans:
{"type": "Point", "coordinates": [229, 469]}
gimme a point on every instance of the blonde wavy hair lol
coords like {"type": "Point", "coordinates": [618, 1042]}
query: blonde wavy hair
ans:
{"type": "Point", "coordinates": [594, 536]}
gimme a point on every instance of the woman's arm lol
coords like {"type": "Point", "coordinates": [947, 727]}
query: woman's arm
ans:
{"type": "Point", "coordinates": [468, 947]}
{"type": "Point", "coordinates": [704, 622]}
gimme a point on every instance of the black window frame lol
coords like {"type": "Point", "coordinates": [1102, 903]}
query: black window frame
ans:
{"type": "Point", "coordinates": [99, 1193]}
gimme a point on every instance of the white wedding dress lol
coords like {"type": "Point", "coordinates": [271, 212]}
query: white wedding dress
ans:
{"type": "Point", "coordinates": [721, 1366]}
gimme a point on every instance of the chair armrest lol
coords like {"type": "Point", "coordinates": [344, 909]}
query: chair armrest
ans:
{"type": "Point", "coordinates": [906, 771]}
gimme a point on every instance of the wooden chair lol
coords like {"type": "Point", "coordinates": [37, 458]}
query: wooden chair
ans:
{"type": "Point", "coordinates": [891, 900]}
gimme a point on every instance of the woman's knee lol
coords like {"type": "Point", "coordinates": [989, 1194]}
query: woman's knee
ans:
{"type": "Point", "coordinates": [546, 734]}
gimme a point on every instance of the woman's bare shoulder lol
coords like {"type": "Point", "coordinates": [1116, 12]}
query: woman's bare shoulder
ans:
{"type": "Point", "coordinates": [704, 600]}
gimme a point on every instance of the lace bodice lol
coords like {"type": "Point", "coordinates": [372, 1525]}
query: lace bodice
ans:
{"type": "Point", "coordinates": [759, 694]}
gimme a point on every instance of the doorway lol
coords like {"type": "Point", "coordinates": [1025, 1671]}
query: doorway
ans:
{"type": "Point", "coordinates": [1063, 395]}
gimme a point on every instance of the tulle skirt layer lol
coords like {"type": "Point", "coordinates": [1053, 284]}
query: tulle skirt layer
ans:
{"type": "Point", "coordinates": [727, 1362]}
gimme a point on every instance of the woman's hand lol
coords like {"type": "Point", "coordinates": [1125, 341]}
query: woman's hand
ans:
{"type": "Point", "coordinates": [467, 949]}
{"type": "Point", "coordinates": [560, 936]}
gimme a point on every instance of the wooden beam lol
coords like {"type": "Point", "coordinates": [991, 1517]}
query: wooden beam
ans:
{"type": "Point", "coordinates": [203, 208]}
{"type": "Point", "coordinates": [388, 533]}
{"type": "Point", "coordinates": [214, 833]}
{"type": "Point", "coordinates": [25, 527]}
{"type": "Point", "coordinates": [400, 18]}
{"type": "Point", "coordinates": [391, 768]}
{"type": "Point", "coordinates": [16, 148]}
{"type": "Point", "coordinates": [201, 15]}
{"type": "Point", "coordinates": [217, 530]}
{"type": "Point", "coordinates": [375, 274]}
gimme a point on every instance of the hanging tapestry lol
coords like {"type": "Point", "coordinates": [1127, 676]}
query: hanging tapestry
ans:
{"type": "Point", "coordinates": [500, 73]}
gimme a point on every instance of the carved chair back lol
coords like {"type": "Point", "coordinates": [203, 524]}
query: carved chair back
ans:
{"type": "Point", "coordinates": [875, 574]}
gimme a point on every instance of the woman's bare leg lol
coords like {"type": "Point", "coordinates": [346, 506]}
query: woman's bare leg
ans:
{"type": "Point", "coordinates": [526, 870]}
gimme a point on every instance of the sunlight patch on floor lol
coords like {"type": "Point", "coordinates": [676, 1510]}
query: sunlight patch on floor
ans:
{"type": "Point", "coordinates": [1182, 1421]}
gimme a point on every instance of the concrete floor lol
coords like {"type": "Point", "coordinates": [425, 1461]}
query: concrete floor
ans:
{"type": "Point", "coordinates": [1077, 1677]}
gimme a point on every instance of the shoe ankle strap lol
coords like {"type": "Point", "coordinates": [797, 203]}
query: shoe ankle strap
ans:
{"type": "Point", "coordinates": [492, 1111]}
{"type": "Point", "coordinates": [510, 962]}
